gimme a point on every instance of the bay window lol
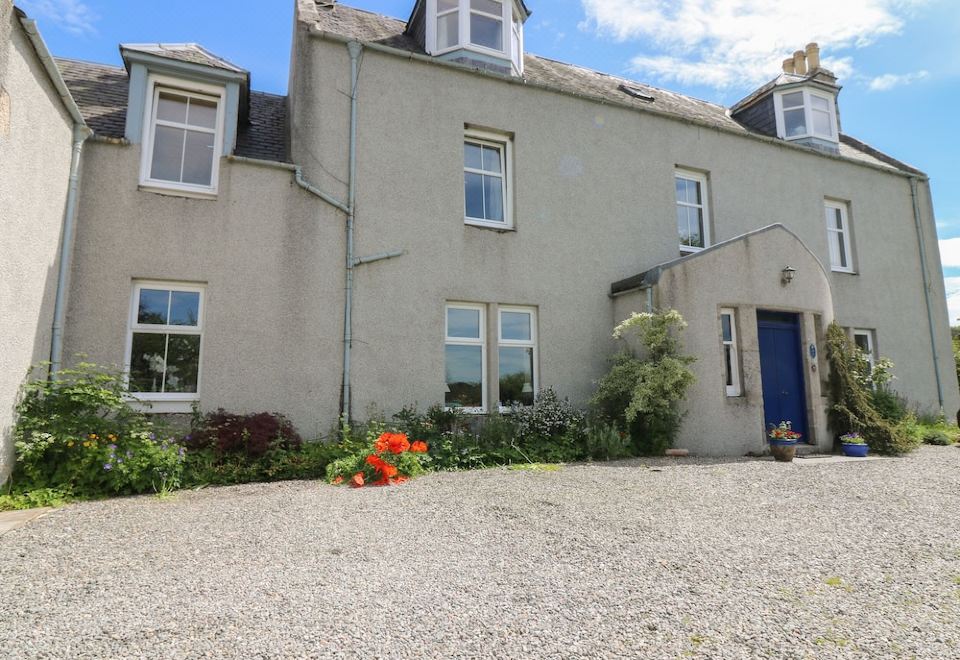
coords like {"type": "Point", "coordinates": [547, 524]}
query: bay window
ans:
{"type": "Point", "coordinates": [806, 113]}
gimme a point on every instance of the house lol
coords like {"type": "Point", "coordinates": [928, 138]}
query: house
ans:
{"type": "Point", "coordinates": [434, 215]}
{"type": "Point", "coordinates": [41, 134]}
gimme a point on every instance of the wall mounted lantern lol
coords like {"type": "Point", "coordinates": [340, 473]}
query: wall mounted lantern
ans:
{"type": "Point", "coordinates": [787, 275]}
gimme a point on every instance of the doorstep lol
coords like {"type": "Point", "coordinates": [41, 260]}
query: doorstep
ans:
{"type": "Point", "coordinates": [10, 520]}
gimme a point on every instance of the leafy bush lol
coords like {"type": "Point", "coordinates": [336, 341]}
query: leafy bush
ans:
{"type": "Point", "coordinates": [389, 458]}
{"type": "Point", "coordinates": [938, 438]}
{"type": "Point", "coordinates": [890, 405]}
{"type": "Point", "coordinates": [227, 448]}
{"type": "Point", "coordinates": [852, 408]}
{"type": "Point", "coordinates": [34, 499]}
{"type": "Point", "coordinates": [77, 434]}
{"type": "Point", "coordinates": [642, 394]}
{"type": "Point", "coordinates": [250, 435]}
{"type": "Point", "coordinates": [605, 442]}
{"type": "Point", "coordinates": [208, 467]}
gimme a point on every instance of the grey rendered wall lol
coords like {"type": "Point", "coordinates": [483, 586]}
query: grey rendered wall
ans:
{"type": "Point", "coordinates": [270, 256]}
{"type": "Point", "coordinates": [35, 146]}
{"type": "Point", "coordinates": [717, 424]}
{"type": "Point", "coordinates": [594, 204]}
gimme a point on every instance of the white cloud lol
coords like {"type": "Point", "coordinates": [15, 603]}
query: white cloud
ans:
{"type": "Point", "coordinates": [74, 16]}
{"type": "Point", "coordinates": [890, 80]}
{"type": "Point", "coordinates": [726, 43]}
{"type": "Point", "coordinates": [952, 285]}
{"type": "Point", "coordinates": [950, 252]}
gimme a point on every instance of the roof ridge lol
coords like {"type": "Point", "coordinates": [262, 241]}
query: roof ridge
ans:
{"type": "Point", "coordinates": [82, 61]}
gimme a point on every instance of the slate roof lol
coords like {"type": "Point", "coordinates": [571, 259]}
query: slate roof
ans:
{"type": "Point", "coordinates": [193, 53]}
{"type": "Point", "coordinates": [370, 27]}
{"type": "Point", "coordinates": [100, 91]}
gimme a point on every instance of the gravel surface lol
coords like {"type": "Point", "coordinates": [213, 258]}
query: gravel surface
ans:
{"type": "Point", "coordinates": [657, 558]}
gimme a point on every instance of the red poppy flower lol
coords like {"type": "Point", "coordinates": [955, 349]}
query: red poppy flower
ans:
{"type": "Point", "coordinates": [338, 480]}
{"type": "Point", "coordinates": [375, 462]}
{"type": "Point", "coordinates": [357, 480]}
{"type": "Point", "coordinates": [418, 446]}
{"type": "Point", "coordinates": [398, 443]}
{"type": "Point", "coordinates": [382, 443]}
{"type": "Point", "coordinates": [400, 480]}
{"type": "Point", "coordinates": [388, 471]}
{"type": "Point", "coordinates": [381, 482]}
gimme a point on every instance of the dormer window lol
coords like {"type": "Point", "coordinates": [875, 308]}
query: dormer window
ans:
{"type": "Point", "coordinates": [805, 113]}
{"type": "Point", "coordinates": [483, 31]}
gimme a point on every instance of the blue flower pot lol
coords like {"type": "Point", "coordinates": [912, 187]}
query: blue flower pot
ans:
{"type": "Point", "coordinates": [858, 451]}
{"type": "Point", "coordinates": [783, 450]}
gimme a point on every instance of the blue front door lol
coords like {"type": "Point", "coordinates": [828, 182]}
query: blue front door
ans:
{"type": "Point", "coordinates": [781, 370]}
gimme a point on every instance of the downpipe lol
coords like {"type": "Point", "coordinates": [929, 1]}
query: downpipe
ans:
{"type": "Point", "coordinates": [926, 286]}
{"type": "Point", "coordinates": [80, 135]}
{"type": "Point", "coordinates": [346, 408]}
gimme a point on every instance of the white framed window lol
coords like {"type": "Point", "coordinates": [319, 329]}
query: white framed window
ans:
{"type": "Point", "coordinates": [731, 355]}
{"type": "Point", "coordinates": [517, 359]}
{"type": "Point", "coordinates": [864, 341]}
{"type": "Point", "coordinates": [183, 136]}
{"type": "Point", "coordinates": [487, 197]}
{"type": "Point", "coordinates": [804, 113]}
{"type": "Point", "coordinates": [693, 217]}
{"type": "Point", "coordinates": [491, 27]}
{"type": "Point", "coordinates": [838, 236]}
{"type": "Point", "coordinates": [448, 24]}
{"type": "Point", "coordinates": [465, 357]}
{"type": "Point", "coordinates": [164, 337]}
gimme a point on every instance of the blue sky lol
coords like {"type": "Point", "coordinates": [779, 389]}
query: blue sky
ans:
{"type": "Point", "coordinates": [899, 60]}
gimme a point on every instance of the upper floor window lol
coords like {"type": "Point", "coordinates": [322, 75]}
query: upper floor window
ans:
{"type": "Point", "coordinates": [805, 113]}
{"type": "Point", "coordinates": [838, 236]}
{"type": "Point", "coordinates": [486, 168]}
{"type": "Point", "coordinates": [163, 356]}
{"type": "Point", "coordinates": [692, 210]}
{"type": "Point", "coordinates": [183, 138]}
{"type": "Point", "coordinates": [494, 27]}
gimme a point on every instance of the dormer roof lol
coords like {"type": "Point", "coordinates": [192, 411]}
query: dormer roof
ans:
{"type": "Point", "coordinates": [192, 53]}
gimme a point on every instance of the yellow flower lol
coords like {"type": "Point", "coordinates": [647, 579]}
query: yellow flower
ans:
{"type": "Point", "coordinates": [112, 437]}
{"type": "Point", "coordinates": [86, 444]}
{"type": "Point", "coordinates": [69, 443]}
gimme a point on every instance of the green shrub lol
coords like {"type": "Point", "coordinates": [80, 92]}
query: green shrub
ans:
{"type": "Point", "coordinates": [77, 434]}
{"type": "Point", "coordinates": [226, 448]}
{"type": "Point", "coordinates": [938, 438]}
{"type": "Point", "coordinates": [39, 497]}
{"type": "Point", "coordinates": [890, 405]}
{"type": "Point", "coordinates": [852, 408]}
{"type": "Point", "coordinates": [605, 442]}
{"type": "Point", "coordinates": [641, 394]}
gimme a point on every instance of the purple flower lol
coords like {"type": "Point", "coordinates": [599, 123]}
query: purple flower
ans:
{"type": "Point", "coordinates": [153, 436]}
{"type": "Point", "coordinates": [112, 447]}
{"type": "Point", "coordinates": [186, 437]}
{"type": "Point", "coordinates": [107, 466]}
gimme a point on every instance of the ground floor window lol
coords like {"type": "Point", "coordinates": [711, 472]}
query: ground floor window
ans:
{"type": "Point", "coordinates": [164, 340]}
{"type": "Point", "coordinates": [731, 358]}
{"type": "Point", "coordinates": [465, 357]}
{"type": "Point", "coordinates": [518, 356]}
{"type": "Point", "coordinates": [864, 341]}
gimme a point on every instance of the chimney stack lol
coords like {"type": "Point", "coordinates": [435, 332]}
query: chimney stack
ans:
{"type": "Point", "coordinates": [788, 65]}
{"type": "Point", "coordinates": [800, 63]}
{"type": "Point", "coordinates": [813, 56]}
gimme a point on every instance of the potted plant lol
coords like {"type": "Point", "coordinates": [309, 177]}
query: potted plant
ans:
{"type": "Point", "coordinates": [783, 441]}
{"type": "Point", "coordinates": [854, 445]}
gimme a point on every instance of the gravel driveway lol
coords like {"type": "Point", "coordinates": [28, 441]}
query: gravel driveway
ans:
{"type": "Point", "coordinates": [651, 558]}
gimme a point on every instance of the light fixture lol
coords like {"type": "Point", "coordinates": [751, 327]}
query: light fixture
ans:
{"type": "Point", "coordinates": [787, 275]}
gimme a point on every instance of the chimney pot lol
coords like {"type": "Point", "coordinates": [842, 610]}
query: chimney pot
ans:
{"type": "Point", "coordinates": [813, 56]}
{"type": "Point", "coordinates": [800, 62]}
{"type": "Point", "coordinates": [788, 65]}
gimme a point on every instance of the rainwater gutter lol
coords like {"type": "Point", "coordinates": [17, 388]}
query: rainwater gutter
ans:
{"type": "Point", "coordinates": [80, 134]}
{"type": "Point", "coordinates": [926, 286]}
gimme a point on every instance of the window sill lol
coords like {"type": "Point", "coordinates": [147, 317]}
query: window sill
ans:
{"type": "Point", "coordinates": [496, 226]}
{"type": "Point", "coordinates": [162, 406]}
{"type": "Point", "coordinates": [844, 271]}
{"type": "Point", "coordinates": [174, 191]}
{"type": "Point", "coordinates": [688, 249]}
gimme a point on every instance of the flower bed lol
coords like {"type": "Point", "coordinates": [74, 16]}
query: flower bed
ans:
{"type": "Point", "coordinates": [392, 459]}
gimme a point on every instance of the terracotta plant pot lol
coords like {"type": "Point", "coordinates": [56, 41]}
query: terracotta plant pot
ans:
{"type": "Point", "coordinates": [783, 450]}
